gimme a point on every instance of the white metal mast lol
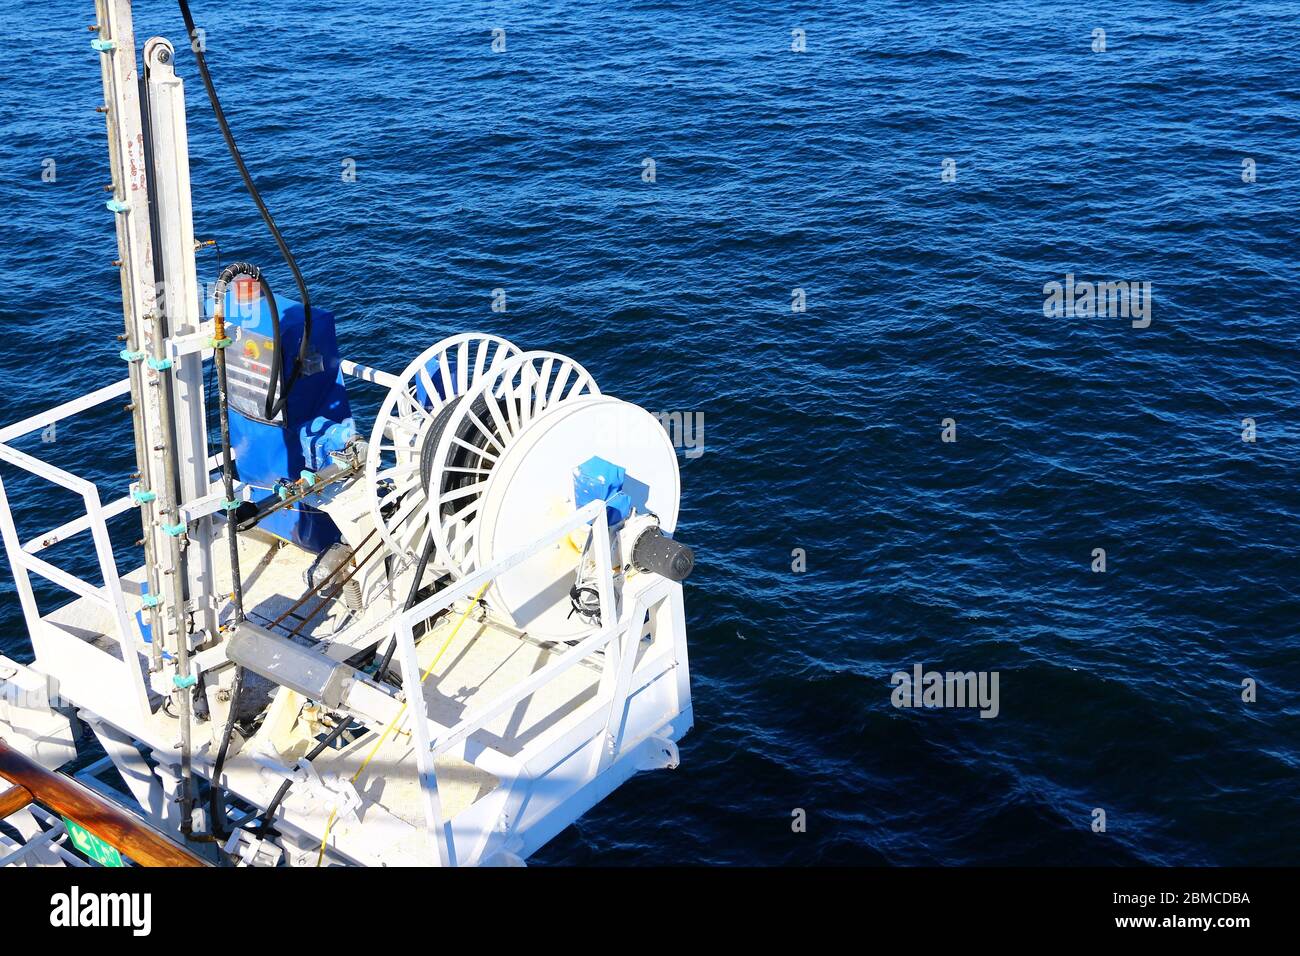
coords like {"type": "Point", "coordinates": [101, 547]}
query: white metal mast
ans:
{"type": "Point", "coordinates": [173, 217]}
{"type": "Point", "coordinates": [151, 201]}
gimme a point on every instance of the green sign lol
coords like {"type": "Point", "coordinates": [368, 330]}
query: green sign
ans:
{"type": "Point", "coordinates": [92, 846]}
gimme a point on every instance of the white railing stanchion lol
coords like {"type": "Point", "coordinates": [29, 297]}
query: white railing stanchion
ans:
{"type": "Point", "coordinates": [22, 578]}
{"type": "Point", "coordinates": [681, 663]}
{"type": "Point", "coordinates": [128, 637]}
{"type": "Point", "coordinates": [608, 612]}
{"type": "Point", "coordinates": [418, 715]}
{"type": "Point", "coordinates": [604, 573]}
{"type": "Point", "coordinates": [627, 640]}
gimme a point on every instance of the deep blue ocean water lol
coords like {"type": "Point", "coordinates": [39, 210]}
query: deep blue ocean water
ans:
{"type": "Point", "coordinates": [818, 170]}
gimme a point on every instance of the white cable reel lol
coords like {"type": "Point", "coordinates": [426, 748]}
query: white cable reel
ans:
{"type": "Point", "coordinates": [487, 467]}
{"type": "Point", "coordinates": [477, 430]}
{"type": "Point", "coordinates": [531, 489]}
{"type": "Point", "coordinates": [431, 384]}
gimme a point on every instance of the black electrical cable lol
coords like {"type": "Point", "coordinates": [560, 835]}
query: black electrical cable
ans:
{"type": "Point", "coordinates": [216, 797]}
{"type": "Point", "coordinates": [268, 815]}
{"type": "Point", "coordinates": [228, 465]}
{"type": "Point", "coordinates": [585, 602]}
{"type": "Point", "coordinates": [411, 597]}
{"type": "Point", "coordinates": [289, 260]}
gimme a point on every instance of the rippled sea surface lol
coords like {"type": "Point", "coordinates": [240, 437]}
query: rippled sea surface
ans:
{"type": "Point", "coordinates": [778, 170]}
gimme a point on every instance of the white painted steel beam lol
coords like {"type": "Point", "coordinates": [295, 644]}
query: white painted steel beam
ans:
{"type": "Point", "coordinates": [66, 410]}
{"type": "Point", "coordinates": [180, 303]}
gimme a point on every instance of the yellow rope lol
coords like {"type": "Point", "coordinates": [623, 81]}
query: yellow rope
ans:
{"type": "Point", "coordinates": [325, 839]}
{"type": "Point", "coordinates": [393, 723]}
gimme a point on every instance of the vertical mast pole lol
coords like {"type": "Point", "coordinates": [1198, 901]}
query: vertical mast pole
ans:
{"type": "Point", "coordinates": [146, 354]}
{"type": "Point", "coordinates": [116, 43]}
{"type": "Point", "coordinates": [174, 221]}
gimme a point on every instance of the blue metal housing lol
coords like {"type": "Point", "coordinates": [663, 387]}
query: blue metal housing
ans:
{"type": "Point", "coordinates": [316, 418]}
{"type": "Point", "coordinates": [599, 480]}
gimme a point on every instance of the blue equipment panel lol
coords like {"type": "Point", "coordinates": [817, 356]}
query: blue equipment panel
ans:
{"type": "Point", "coordinates": [599, 480]}
{"type": "Point", "coordinates": [315, 420]}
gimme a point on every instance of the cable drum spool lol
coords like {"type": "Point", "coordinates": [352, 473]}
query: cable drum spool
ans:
{"type": "Point", "coordinates": [467, 457]}
{"type": "Point", "coordinates": [479, 432]}
{"type": "Point", "coordinates": [426, 393]}
{"type": "Point", "coordinates": [530, 490]}
{"type": "Point", "coordinates": [488, 469]}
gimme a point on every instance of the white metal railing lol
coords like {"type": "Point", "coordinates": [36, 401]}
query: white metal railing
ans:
{"type": "Point", "coordinates": [429, 743]}
{"type": "Point", "coordinates": [23, 557]}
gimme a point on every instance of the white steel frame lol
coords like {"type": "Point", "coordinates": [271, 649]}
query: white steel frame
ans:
{"type": "Point", "coordinates": [552, 779]}
{"type": "Point", "coordinates": [24, 560]}
{"type": "Point", "coordinates": [598, 731]}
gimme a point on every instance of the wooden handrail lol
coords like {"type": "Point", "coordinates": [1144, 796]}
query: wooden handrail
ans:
{"type": "Point", "coordinates": [72, 799]}
{"type": "Point", "coordinates": [14, 799]}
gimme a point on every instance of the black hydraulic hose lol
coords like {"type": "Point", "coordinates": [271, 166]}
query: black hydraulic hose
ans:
{"type": "Point", "coordinates": [387, 659]}
{"type": "Point", "coordinates": [227, 463]}
{"type": "Point", "coordinates": [216, 797]}
{"type": "Point", "coordinates": [268, 815]}
{"type": "Point", "coordinates": [304, 345]}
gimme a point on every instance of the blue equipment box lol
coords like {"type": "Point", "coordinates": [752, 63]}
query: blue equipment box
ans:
{"type": "Point", "coordinates": [599, 480]}
{"type": "Point", "coordinates": [315, 420]}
